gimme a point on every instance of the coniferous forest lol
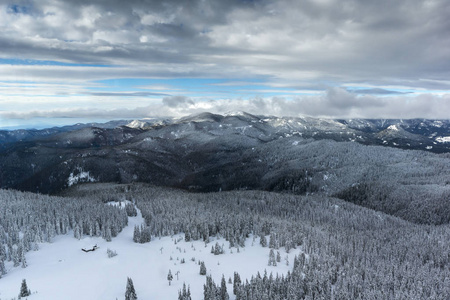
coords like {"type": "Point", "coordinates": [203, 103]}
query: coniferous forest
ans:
{"type": "Point", "coordinates": [347, 251]}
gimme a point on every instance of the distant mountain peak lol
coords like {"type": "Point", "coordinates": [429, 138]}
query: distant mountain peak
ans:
{"type": "Point", "coordinates": [393, 128]}
{"type": "Point", "coordinates": [240, 113]}
{"type": "Point", "coordinates": [137, 124]}
{"type": "Point", "coordinates": [202, 117]}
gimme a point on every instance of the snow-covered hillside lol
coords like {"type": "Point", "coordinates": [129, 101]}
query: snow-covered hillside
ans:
{"type": "Point", "coordinates": [61, 270]}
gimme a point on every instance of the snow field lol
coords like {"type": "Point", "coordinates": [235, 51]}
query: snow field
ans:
{"type": "Point", "coordinates": [60, 270]}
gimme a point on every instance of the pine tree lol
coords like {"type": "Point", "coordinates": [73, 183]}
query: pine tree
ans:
{"type": "Point", "coordinates": [136, 234]}
{"type": "Point", "coordinates": [273, 243]}
{"type": "Point", "coordinates": [263, 241]}
{"type": "Point", "coordinates": [209, 289]}
{"type": "Point", "coordinates": [223, 289]}
{"type": "Point", "coordinates": [188, 294]}
{"type": "Point", "coordinates": [130, 293]}
{"type": "Point", "coordinates": [170, 277]}
{"type": "Point", "coordinates": [202, 268]}
{"type": "Point", "coordinates": [2, 267]}
{"type": "Point", "coordinates": [236, 283]}
{"type": "Point", "coordinates": [77, 232]}
{"type": "Point", "coordinates": [24, 291]}
{"type": "Point", "coordinates": [146, 235]}
{"type": "Point", "coordinates": [108, 233]}
{"type": "Point", "coordinates": [24, 260]}
{"type": "Point", "coordinates": [184, 294]}
{"type": "Point", "coordinates": [272, 261]}
{"type": "Point", "coordinates": [15, 255]}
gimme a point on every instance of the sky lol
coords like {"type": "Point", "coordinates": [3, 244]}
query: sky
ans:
{"type": "Point", "coordinates": [63, 62]}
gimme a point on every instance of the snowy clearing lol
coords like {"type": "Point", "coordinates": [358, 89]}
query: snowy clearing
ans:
{"type": "Point", "coordinates": [60, 270]}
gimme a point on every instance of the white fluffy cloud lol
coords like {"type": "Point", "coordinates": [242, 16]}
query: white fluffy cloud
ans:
{"type": "Point", "coordinates": [334, 103]}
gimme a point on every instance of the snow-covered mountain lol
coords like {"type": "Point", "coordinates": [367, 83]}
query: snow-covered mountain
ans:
{"type": "Point", "coordinates": [210, 152]}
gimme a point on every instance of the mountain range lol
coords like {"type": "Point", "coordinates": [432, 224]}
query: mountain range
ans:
{"type": "Point", "coordinates": [364, 161]}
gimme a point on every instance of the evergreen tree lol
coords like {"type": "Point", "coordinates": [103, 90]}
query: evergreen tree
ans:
{"type": "Point", "coordinates": [170, 277]}
{"type": "Point", "coordinates": [188, 294]}
{"type": "Point", "coordinates": [236, 283]}
{"type": "Point", "coordinates": [130, 293]}
{"type": "Point", "coordinates": [187, 236]}
{"type": "Point", "coordinates": [15, 255]}
{"type": "Point", "coordinates": [24, 260]}
{"type": "Point", "coordinates": [136, 234]}
{"type": "Point", "coordinates": [130, 210]}
{"type": "Point", "coordinates": [272, 260]}
{"type": "Point", "coordinates": [24, 291]}
{"type": "Point", "coordinates": [184, 294]}
{"type": "Point", "coordinates": [77, 232]}
{"type": "Point", "coordinates": [273, 243]}
{"type": "Point", "coordinates": [108, 233]}
{"type": "Point", "coordinates": [263, 241]}
{"type": "Point", "coordinates": [202, 268]}
{"type": "Point", "coordinates": [145, 234]}
{"type": "Point", "coordinates": [2, 267]}
{"type": "Point", "coordinates": [209, 289]}
{"type": "Point", "coordinates": [223, 289]}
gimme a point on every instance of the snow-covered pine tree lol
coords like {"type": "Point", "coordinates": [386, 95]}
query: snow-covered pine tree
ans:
{"type": "Point", "coordinates": [170, 277]}
{"type": "Point", "coordinates": [108, 233]}
{"type": "Point", "coordinates": [130, 293]}
{"type": "Point", "coordinates": [184, 294]}
{"type": "Point", "coordinates": [202, 268]}
{"type": "Point", "coordinates": [146, 234]}
{"type": "Point", "coordinates": [130, 210]}
{"type": "Point", "coordinates": [236, 283]}
{"type": "Point", "coordinates": [24, 291]}
{"type": "Point", "coordinates": [2, 267]}
{"type": "Point", "coordinates": [217, 249]}
{"type": "Point", "coordinates": [272, 261]}
{"type": "Point", "coordinates": [77, 232]}
{"type": "Point", "coordinates": [223, 289]}
{"type": "Point", "coordinates": [273, 243]}
{"type": "Point", "coordinates": [15, 255]}
{"type": "Point", "coordinates": [136, 234]}
{"type": "Point", "coordinates": [263, 241]}
{"type": "Point", "coordinates": [209, 289]}
{"type": "Point", "coordinates": [23, 260]}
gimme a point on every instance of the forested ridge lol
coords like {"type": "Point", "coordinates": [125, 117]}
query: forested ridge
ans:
{"type": "Point", "coordinates": [347, 251]}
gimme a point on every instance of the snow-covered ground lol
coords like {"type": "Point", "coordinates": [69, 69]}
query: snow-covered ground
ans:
{"type": "Point", "coordinates": [60, 270]}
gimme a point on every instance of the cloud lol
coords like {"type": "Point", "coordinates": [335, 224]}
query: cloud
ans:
{"type": "Point", "coordinates": [126, 94]}
{"type": "Point", "coordinates": [376, 91]}
{"type": "Point", "coordinates": [344, 41]}
{"type": "Point", "coordinates": [334, 103]}
{"type": "Point", "coordinates": [177, 101]}
{"type": "Point", "coordinates": [294, 44]}
{"type": "Point", "coordinates": [122, 113]}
